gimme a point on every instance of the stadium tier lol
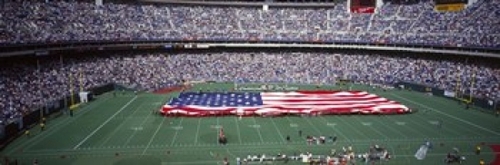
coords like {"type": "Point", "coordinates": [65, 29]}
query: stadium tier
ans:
{"type": "Point", "coordinates": [281, 103]}
{"type": "Point", "coordinates": [20, 94]}
{"type": "Point", "coordinates": [58, 21]}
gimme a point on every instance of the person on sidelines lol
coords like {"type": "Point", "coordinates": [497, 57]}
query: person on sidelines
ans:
{"type": "Point", "coordinates": [288, 138]}
{"type": "Point", "coordinates": [478, 149]}
{"type": "Point", "coordinates": [42, 126]}
{"type": "Point", "coordinates": [27, 133]}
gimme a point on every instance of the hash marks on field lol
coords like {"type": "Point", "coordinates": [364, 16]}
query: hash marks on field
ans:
{"type": "Point", "coordinates": [331, 124]}
{"type": "Point", "coordinates": [294, 125]}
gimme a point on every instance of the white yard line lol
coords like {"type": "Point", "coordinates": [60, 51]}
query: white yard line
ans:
{"type": "Point", "coordinates": [374, 129]}
{"type": "Point", "coordinates": [279, 132]}
{"type": "Point", "coordinates": [57, 126]}
{"type": "Point", "coordinates": [197, 132]}
{"type": "Point", "coordinates": [439, 130]}
{"type": "Point", "coordinates": [154, 135]}
{"type": "Point", "coordinates": [105, 122]}
{"type": "Point", "coordinates": [238, 129]}
{"type": "Point", "coordinates": [217, 126]}
{"type": "Point", "coordinates": [336, 130]}
{"type": "Point", "coordinates": [446, 114]}
{"type": "Point", "coordinates": [135, 132]}
{"type": "Point", "coordinates": [176, 132]}
{"type": "Point", "coordinates": [258, 130]}
{"type": "Point", "coordinates": [313, 126]}
{"type": "Point", "coordinates": [119, 127]}
{"type": "Point", "coordinates": [296, 128]}
{"type": "Point", "coordinates": [391, 128]}
{"type": "Point", "coordinates": [352, 127]}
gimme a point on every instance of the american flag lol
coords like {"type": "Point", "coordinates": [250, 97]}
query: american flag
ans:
{"type": "Point", "coordinates": [279, 103]}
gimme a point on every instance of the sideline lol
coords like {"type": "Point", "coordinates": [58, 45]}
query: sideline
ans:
{"type": "Point", "coordinates": [105, 122]}
{"type": "Point", "coordinates": [446, 114]}
{"type": "Point", "coordinates": [58, 125]}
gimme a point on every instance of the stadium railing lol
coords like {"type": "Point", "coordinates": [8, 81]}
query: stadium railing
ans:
{"type": "Point", "coordinates": [49, 48]}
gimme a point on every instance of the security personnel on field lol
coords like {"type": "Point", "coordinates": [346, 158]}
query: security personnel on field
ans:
{"type": "Point", "coordinates": [27, 133]}
{"type": "Point", "coordinates": [481, 162]}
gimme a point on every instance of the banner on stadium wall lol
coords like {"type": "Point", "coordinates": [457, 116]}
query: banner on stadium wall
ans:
{"type": "Point", "coordinates": [450, 7]}
{"type": "Point", "coordinates": [361, 9]}
{"type": "Point", "coordinates": [449, 94]}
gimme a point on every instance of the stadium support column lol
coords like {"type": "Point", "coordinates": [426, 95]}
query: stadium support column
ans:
{"type": "Point", "coordinates": [65, 98]}
{"type": "Point", "coordinates": [457, 88]}
{"type": "Point", "coordinates": [40, 87]}
{"type": "Point", "coordinates": [473, 81]}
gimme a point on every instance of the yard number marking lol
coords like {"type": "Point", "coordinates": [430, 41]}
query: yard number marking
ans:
{"type": "Point", "coordinates": [215, 126]}
{"type": "Point", "coordinates": [137, 128]}
{"type": "Point", "coordinates": [331, 124]}
{"type": "Point", "coordinates": [177, 127]}
{"type": "Point", "coordinates": [366, 123]}
{"type": "Point", "coordinates": [254, 126]}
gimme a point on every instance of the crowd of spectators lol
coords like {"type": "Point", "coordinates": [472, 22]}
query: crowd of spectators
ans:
{"type": "Point", "coordinates": [24, 86]}
{"type": "Point", "coordinates": [419, 23]}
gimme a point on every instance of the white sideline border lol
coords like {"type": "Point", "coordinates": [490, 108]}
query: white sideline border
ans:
{"type": "Point", "coordinates": [105, 122]}
{"type": "Point", "coordinates": [446, 114]}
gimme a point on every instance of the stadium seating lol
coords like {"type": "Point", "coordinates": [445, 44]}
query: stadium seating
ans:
{"type": "Point", "coordinates": [35, 21]}
{"type": "Point", "coordinates": [23, 88]}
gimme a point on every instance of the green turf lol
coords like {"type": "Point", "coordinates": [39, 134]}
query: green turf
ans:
{"type": "Point", "coordinates": [124, 130]}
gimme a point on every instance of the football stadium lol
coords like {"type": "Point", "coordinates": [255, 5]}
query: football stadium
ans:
{"type": "Point", "coordinates": [217, 82]}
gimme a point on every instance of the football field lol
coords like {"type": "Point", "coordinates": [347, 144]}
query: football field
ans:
{"type": "Point", "coordinates": [125, 129]}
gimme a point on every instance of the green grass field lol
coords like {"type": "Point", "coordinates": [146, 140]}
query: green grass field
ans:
{"type": "Point", "coordinates": [124, 130]}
